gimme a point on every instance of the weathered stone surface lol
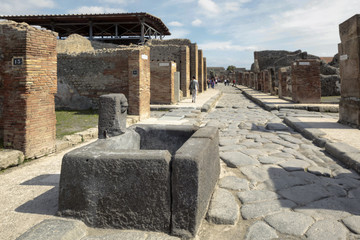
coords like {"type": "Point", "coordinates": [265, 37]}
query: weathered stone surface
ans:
{"type": "Point", "coordinates": [56, 229]}
{"type": "Point", "coordinates": [234, 183]}
{"type": "Point", "coordinates": [319, 171]}
{"type": "Point", "coordinates": [260, 230]}
{"type": "Point", "coordinates": [290, 222]}
{"type": "Point", "coordinates": [255, 173]}
{"type": "Point", "coordinates": [133, 235]}
{"type": "Point", "coordinates": [271, 160]}
{"type": "Point", "coordinates": [257, 196]}
{"type": "Point", "coordinates": [121, 186]}
{"type": "Point", "coordinates": [352, 223]}
{"type": "Point", "coordinates": [305, 194]}
{"type": "Point", "coordinates": [294, 165]}
{"type": "Point", "coordinates": [355, 193]}
{"type": "Point", "coordinates": [276, 127]}
{"type": "Point", "coordinates": [223, 208]}
{"type": "Point", "coordinates": [10, 157]}
{"type": "Point", "coordinates": [327, 229]}
{"type": "Point", "coordinates": [262, 209]}
{"type": "Point", "coordinates": [237, 159]}
{"type": "Point", "coordinates": [291, 139]}
{"type": "Point", "coordinates": [195, 171]}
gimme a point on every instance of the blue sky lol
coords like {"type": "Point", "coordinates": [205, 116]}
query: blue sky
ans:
{"type": "Point", "coordinates": [228, 31]}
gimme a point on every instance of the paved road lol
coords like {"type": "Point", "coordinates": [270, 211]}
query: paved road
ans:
{"type": "Point", "coordinates": [275, 183]}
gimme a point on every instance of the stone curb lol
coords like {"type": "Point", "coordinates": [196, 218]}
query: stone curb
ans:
{"type": "Point", "coordinates": [211, 102]}
{"type": "Point", "coordinates": [345, 153]}
{"type": "Point", "coordinates": [271, 107]}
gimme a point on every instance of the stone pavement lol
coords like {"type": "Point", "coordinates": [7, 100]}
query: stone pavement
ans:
{"type": "Point", "coordinates": [274, 183]}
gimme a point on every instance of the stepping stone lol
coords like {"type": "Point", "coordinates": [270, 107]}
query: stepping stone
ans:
{"type": "Point", "coordinates": [305, 194]}
{"type": "Point", "coordinates": [290, 222]}
{"type": "Point", "coordinates": [294, 165]}
{"type": "Point", "coordinates": [237, 159]}
{"type": "Point", "coordinates": [234, 183]}
{"type": "Point", "coordinates": [327, 229]}
{"type": "Point", "coordinates": [271, 160]}
{"type": "Point", "coordinates": [319, 171]}
{"type": "Point", "coordinates": [256, 196]}
{"type": "Point", "coordinates": [352, 223]}
{"type": "Point", "coordinates": [277, 127]}
{"type": "Point", "coordinates": [262, 209]}
{"type": "Point", "coordinates": [223, 208]}
{"type": "Point", "coordinates": [260, 230]}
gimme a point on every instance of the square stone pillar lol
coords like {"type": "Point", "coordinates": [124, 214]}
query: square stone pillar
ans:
{"type": "Point", "coordinates": [200, 70]}
{"type": "Point", "coordinates": [349, 51]}
{"type": "Point", "coordinates": [194, 61]}
{"type": "Point", "coordinates": [205, 73]}
{"type": "Point", "coordinates": [162, 86]}
{"type": "Point", "coordinates": [306, 84]}
{"type": "Point", "coordinates": [267, 81]}
{"type": "Point", "coordinates": [283, 74]}
{"type": "Point", "coordinates": [28, 83]}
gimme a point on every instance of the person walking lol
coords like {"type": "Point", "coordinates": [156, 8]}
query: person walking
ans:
{"type": "Point", "coordinates": [194, 85]}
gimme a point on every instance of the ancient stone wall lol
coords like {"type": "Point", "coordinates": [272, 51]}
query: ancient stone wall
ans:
{"type": "Point", "coordinates": [305, 78]}
{"type": "Point", "coordinates": [84, 77]}
{"type": "Point", "coordinates": [162, 82]}
{"type": "Point", "coordinates": [283, 75]}
{"type": "Point", "coordinates": [201, 70]}
{"type": "Point", "coordinates": [205, 74]}
{"type": "Point", "coordinates": [180, 55]}
{"type": "Point", "coordinates": [349, 51]}
{"type": "Point", "coordinates": [27, 87]}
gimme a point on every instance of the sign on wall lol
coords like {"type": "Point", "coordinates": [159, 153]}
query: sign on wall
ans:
{"type": "Point", "coordinates": [16, 61]}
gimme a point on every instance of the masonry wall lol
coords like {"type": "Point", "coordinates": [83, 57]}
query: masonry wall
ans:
{"type": "Point", "coordinates": [201, 71]}
{"type": "Point", "coordinates": [283, 75]}
{"type": "Point", "coordinates": [305, 77]}
{"type": "Point", "coordinates": [349, 51]}
{"type": "Point", "coordinates": [205, 74]}
{"type": "Point", "coordinates": [162, 82]}
{"type": "Point", "coordinates": [266, 76]}
{"type": "Point", "coordinates": [84, 77]}
{"type": "Point", "coordinates": [27, 87]}
{"type": "Point", "coordinates": [180, 54]}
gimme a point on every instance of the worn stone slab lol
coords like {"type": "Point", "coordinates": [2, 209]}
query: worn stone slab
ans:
{"type": "Point", "coordinates": [355, 193]}
{"type": "Point", "coordinates": [224, 141]}
{"type": "Point", "coordinates": [285, 155]}
{"type": "Point", "coordinates": [10, 157]}
{"type": "Point", "coordinates": [231, 148]}
{"type": "Point", "coordinates": [292, 223]}
{"type": "Point", "coordinates": [291, 139]}
{"type": "Point", "coordinates": [234, 183]}
{"type": "Point", "coordinates": [223, 208]}
{"type": "Point", "coordinates": [133, 235]}
{"type": "Point", "coordinates": [277, 127]}
{"type": "Point", "coordinates": [352, 223]}
{"type": "Point", "coordinates": [237, 159]}
{"type": "Point", "coordinates": [319, 171]}
{"type": "Point", "coordinates": [305, 194]}
{"type": "Point", "coordinates": [295, 165]}
{"type": "Point", "coordinates": [271, 160]}
{"type": "Point", "coordinates": [286, 144]}
{"type": "Point", "coordinates": [262, 209]}
{"type": "Point", "coordinates": [331, 208]}
{"type": "Point", "coordinates": [56, 229]}
{"type": "Point", "coordinates": [256, 196]}
{"type": "Point", "coordinates": [255, 173]}
{"type": "Point", "coordinates": [260, 230]}
{"type": "Point", "coordinates": [327, 229]}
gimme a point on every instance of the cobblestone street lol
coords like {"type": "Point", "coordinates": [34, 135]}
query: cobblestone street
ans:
{"type": "Point", "coordinates": [275, 183]}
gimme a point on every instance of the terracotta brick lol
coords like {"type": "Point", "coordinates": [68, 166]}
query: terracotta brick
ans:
{"type": "Point", "coordinates": [162, 82]}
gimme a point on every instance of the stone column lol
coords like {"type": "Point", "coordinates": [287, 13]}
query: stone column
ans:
{"type": "Point", "coordinates": [200, 70]}
{"type": "Point", "coordinates": [205, 74]}
{"type": "Point", "coordinates": [349, 51]}
{"type": "Point", "coordinates": [185, 71]}
{"type": "Point", "coordinates": [194, 61]}
{"type": "Point", "coordinates": [306, 85]}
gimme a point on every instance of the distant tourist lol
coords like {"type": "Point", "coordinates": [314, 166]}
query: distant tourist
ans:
{"type": "Point", "coordinates": [225, 82]}
{"type": "Point", "coordinates": [194, 85]}
{"type": "Point", "coordinates": [234, 83]}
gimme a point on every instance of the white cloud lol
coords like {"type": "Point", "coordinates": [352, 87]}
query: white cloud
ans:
{"type": "Point", "coordinates": [175, 24]}
{"type": "Point", "coordinates": [196, 22]}
{"type": "Point", "coordinates": [115, 1]}
{"type": "Point", "coordinates": [96, 9]}
{"type": "Point", "coordinates": [209, 6]}
{"type": "Point", "coordinates": [232, 6]}
{"type": "Point", "coordinates": [18, 7]}
{"type": "Point", "coordinates": [225, 46]}
{"type": "Point", "coordinates": [179, 33]}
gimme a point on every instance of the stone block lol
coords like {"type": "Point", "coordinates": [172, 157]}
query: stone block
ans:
{"type": "Point", "coordinates": [195, 171]}
{"type": "Point", "coordinates": [124, 189]}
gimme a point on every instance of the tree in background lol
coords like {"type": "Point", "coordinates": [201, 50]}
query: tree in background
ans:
{"type": "Point", "coordinates": [231, 68]}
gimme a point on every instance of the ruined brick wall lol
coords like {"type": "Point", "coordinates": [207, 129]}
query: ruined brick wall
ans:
{"type": "Point", "coordinates": [283, 75]}
{"type": "Point", "coordinates": [180, 55]}
{"type": "Point", "coordinates": [267, 77]}
{"type": "Point", "coordinates": [27, 87]}
{"type": "Point", "coordinates": [305, 77]}
{"type": "Point", "coordinates": [194, 61]}
{"type": "Point", "coordinates": [205, 74]}
{"type": "Point", "coordinates": [162, 82]}
{"type": "Point", "coordinates": [84, 77]}
{"type": "Point", "coordinates": [349, 51]}
{"type": "Point", "coordinates": [201, 70]}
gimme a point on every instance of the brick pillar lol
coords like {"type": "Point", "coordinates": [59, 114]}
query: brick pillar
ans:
{"type": "Point", "coordinates": [28, 76]}
{"type": "Point", "coordinates": [194, 62]}
{"type": "Point", "coordinates": [139, 82]}
{"type": "Point", "coordinates": [162, 82]}
{"type": "Point", "coordinates": [205, 74]}
{"type": "Point", "coordinates": [252, 80]}
{"type": "Point", "coordinates": [201, 70]}
{"type": "Point", "coordinates": [282, 74]}
{"type": "Point", "coordinates": [349, 51]}
{"type": "Point", "coordinates": [185, 71]}
{"type": "Point", "coordinates": [266, 81]}
{"type": "Point", "coordinates": [242, 78]}
{"type": "Point", "coordinates": [306, 85]}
